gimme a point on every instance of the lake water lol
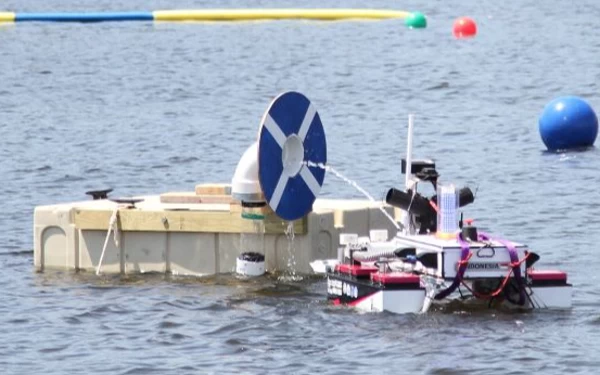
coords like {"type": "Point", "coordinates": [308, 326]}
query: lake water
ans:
{"type": "Point", "coordinates": [149, 108]}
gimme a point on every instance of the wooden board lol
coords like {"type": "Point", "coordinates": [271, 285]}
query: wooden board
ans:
{"type": "Point", "coordinates": [213, 189]}
{"type": "Point", "coordinates": [193, 198]}
{"type": "Point", "coordinates": [181, 221]}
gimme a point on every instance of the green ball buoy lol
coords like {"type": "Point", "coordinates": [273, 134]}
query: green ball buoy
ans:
{"type": "Point", "coordinates": [416, 20]}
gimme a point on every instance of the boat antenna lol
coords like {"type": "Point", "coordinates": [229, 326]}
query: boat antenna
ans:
{"type": "Point", "coordinates": [408, 170]}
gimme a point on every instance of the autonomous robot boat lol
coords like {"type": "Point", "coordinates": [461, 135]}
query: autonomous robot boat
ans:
{"type": "Point", "coordinates": [437, 256]}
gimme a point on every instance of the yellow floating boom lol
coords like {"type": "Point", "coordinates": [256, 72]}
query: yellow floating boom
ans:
{"type": "Point", "coordinates": [275, 14]}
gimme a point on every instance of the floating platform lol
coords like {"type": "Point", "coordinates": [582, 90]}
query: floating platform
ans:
{"type": "Point", "coordinates": [270, 208]}
{"type": "Point", "coordinates": [211, 15]}
{"type": "Point", "coordinates": [193, 233]}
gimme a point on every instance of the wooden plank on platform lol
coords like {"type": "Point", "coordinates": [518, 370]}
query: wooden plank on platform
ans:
{"type": "Point", "coordinates": [213, 189]}
{"type": "Point", "coordinates": [193, 198]}
{"type": "Point", "coordinates": [181, 221]}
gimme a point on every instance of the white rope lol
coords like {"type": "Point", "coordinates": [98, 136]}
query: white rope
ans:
{"type": "Point", "coordinates": [429, 295]}
{"type": "Point", "coordinates": [112, 227]}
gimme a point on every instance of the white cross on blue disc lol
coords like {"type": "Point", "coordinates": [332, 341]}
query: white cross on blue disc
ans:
{"type": "Point", "coordinates": [291, 134]}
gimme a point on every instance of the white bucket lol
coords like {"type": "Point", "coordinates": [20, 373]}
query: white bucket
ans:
{"type": "Point", "coordinates": [250, 264]}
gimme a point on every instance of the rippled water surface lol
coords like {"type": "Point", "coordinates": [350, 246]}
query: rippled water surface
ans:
{"type": "Point", "coordinates": [148, 108]}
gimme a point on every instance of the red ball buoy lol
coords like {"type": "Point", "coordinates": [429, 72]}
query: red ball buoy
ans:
{"type": "Point", "coordinates": [464, 27]}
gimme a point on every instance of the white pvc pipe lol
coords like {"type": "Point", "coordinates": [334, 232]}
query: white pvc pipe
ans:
{"type": "Point", "coordinates": [244, 184]}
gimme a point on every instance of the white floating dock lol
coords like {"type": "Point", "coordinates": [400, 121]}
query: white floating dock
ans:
{"type": "Point", "coordinates": [203, 232]}
{"type": "Point", "coordinates": [196, 235]}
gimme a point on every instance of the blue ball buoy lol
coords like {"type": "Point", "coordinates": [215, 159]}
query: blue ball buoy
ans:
{"type": "Point", "coordinates": [568, 122]}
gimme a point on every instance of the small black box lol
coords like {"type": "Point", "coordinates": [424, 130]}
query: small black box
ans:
{"type": "Point", "coordinates": [418, 165]}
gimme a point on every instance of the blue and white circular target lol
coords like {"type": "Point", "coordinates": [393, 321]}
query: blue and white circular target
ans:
{"type": "Point", "coordinates": [291, 138]}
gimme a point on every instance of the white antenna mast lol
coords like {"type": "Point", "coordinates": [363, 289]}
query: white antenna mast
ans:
{"type": "Point", "coordinates": [408, 170]}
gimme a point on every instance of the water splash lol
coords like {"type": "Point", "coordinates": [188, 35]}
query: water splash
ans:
{"type": "Point", "coordinates": [328, 168]}
{"type": "Point", "coordinates": [291, 261]}
{"type": "Point", "coordinates": [289, 231]}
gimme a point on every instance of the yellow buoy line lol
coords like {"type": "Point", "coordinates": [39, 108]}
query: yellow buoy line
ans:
{"type": "Point", "coordinates": [7, 17]}
{"type": "Point", "coordinates": [275, 14]}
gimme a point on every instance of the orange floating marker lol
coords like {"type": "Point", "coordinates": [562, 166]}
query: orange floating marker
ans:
{"type": "Point", "coordinates": [464, 27]}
